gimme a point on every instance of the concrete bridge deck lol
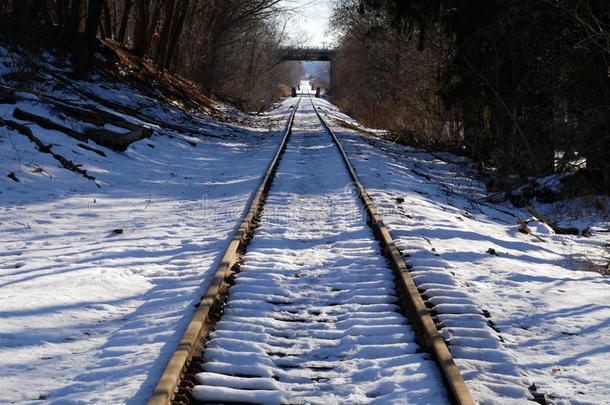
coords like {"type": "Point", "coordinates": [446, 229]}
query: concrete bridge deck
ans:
{"type": "Point", "coordinates": [309, 53]}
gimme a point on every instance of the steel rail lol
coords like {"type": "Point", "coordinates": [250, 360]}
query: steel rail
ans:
{"type": "Point", "coordinates": [192, 339]}
{"type": "Point", "coordinates": [413, 302]}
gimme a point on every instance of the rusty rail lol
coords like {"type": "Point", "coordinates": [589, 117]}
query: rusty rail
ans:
{"type": "Point", "coordinates": [192, 339]}
{"type": "Point", "coordinates": [412, 302]}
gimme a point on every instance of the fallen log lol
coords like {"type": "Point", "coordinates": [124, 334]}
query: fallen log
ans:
{"type": "Point", "coordinates": [95, 116]}
{"type": "Point", "coordinates": [556, 228]}
{"type": "Point", "coordinates": [102, 136]}
{"type": "Point", "coordinates": [115, 140]}
{"type": "Point", "coordinates": [46, 123]}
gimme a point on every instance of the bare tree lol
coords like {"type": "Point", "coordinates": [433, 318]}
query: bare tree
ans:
{"type": "Point", "coordinates": [127, 7]}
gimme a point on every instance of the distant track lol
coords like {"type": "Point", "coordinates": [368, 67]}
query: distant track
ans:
{"type": "Point", "coordinates": [299, 321]}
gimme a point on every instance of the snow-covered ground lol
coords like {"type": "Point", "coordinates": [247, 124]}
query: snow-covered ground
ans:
{"type": "Point", "coordinates": [89, 314]}
{"type": "Point", "coordinates": [313, 316]}
{"type": "Point", "coordinates": [515, 309]}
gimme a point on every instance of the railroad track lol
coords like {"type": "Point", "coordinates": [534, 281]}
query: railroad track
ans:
{"type": "Point", "coordinates": [321, 306]}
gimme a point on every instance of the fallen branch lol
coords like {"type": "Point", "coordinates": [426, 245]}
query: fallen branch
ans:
{"type": "Point", "coordinates": [87, 147]}
{"type": "Point", "coordinates": [556, 228]}
{"type": "Point", "coordinates": [13, 177]}
{"type": "Point", "coordinates": [67, 164]}
{"type": "Point", "coordinates": [523, 228]}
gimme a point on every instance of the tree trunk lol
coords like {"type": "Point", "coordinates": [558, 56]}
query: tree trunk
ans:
{"type": "Point", "coordinates": [73, 21]}
{"type": "Point", "coordinates": [140, 29]}
{"type": "Point", "coordinates": [94, 15]}
{"type": "Point", "coordinates": [62, 9]}
{"type": "Point", "coordinates": [21, 14]}
{"type": "Point", "coordinates": [85, 56]}
{"type": "Point", "coordinates": [165, 31]}
{"type": "Point", "coordinates": [124, 21]}
{"type": "Point", "coordinates": [152, 27]}
{"type": "Point", "coordinates": [107, 22]}
{"type": "Point", "coordinates": [175, 30]}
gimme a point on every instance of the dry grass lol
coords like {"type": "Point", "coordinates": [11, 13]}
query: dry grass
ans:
{"type": "Point", "coordinates": [598, 263]}
{"type": "Point", "coordinates": [349, 125]}
{"type": "Point", "coordinates": [143, 74]}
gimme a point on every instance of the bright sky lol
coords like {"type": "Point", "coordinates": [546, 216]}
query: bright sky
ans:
{"type": "Point", "coordinates": [310, 20]}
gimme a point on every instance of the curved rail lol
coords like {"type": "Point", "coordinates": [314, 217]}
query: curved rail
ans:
{"type": "Point", "coordinates": [191, 342]}
{"type": "Point", "coordinates": [412, 302]}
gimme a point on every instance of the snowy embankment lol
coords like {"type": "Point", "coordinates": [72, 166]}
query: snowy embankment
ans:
{"type": "Point", "coordinates": [518, 310]}
{"type": "Point", "coordinates": [98, 277]}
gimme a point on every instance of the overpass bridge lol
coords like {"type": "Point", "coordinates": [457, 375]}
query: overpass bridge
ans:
{"type": "Point", "coordinates": [310, 53]}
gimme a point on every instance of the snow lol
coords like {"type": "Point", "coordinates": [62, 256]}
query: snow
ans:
{"type": "Point", "coordinates": [90, 315]}
{"type": "Point", "coordinates": [314, 306]}
{"type": "Point", "coordinates": [529, 314]}
{"type": "Point", "coordinates": [99, 278]}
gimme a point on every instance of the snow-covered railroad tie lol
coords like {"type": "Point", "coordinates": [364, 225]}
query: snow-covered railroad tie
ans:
{"type": "Point", "coordinates": [314, 315]}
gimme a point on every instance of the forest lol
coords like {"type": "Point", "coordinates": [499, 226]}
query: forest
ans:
{"type": "Point", "coordinates": [522, 86]}
{"type": "Point", "coordinates": [227, 47]}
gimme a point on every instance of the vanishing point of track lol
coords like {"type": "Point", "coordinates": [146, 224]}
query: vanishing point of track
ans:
{"type": "Point", "coordinates": [292, 363]}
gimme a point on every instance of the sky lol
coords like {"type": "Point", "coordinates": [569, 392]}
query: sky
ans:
{"type": "Point", "coordinates": [309, 21]}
